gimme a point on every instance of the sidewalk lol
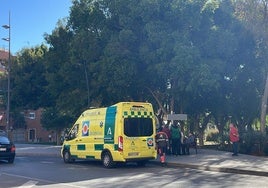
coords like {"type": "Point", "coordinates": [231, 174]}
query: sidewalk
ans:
{"type": "Point", "coordinates": [221, 161]}
{"type": "Point", "coordinates": [205, 159]}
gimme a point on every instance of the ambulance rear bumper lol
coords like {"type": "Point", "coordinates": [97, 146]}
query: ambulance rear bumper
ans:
{"type": "Point", "coordinates": [140, 159]}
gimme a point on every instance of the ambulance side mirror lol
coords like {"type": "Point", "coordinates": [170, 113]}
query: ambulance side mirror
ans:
{"type": "Point", "coordinates": [67, 137]}
{"type": "Point", "coordinates": [70, 136]}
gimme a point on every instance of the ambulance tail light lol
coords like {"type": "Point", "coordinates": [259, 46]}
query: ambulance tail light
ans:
{"type": "Point", "coordinates": [120, 143]}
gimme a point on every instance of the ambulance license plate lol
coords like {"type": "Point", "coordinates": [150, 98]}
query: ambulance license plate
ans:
{"type": "Point", "coordinates": [133, 154]}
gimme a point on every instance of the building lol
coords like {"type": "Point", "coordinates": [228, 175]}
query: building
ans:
{"type": "Point", "coordinates": [33, 131]}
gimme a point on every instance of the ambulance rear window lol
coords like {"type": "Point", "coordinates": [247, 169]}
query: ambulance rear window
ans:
{"type": "Point", "coordinates": [135, 127]}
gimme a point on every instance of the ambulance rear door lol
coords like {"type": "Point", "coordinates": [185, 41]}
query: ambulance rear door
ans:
{"type": "Point", "coordinates": [138, 141]}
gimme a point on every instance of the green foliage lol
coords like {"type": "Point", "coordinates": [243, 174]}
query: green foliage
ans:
{"type": "Point", "coordinates": [212, 133]}
{"type": "Point", "coordinates": [18, 120]}
{"type": "Point", "coordinates": [250, 142]}
{"type": "Point", "coordinates": [28, 79]}
{"type": "Point", "coordinates": [213, 137]}
{"type": "Point", "coordinates": [119, 50]}
{"type": "Point", "coordinates": [52, 119]}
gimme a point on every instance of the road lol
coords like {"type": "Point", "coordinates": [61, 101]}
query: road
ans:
{"type": "Point", "coordinates": [50, 171]}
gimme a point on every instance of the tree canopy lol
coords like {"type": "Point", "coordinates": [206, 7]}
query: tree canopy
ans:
{"type": "Point", "coordinates": [119, 50]}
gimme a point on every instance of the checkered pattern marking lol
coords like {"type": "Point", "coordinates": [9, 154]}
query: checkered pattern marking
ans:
{"type": "Point", "coordinates": [137, 114]}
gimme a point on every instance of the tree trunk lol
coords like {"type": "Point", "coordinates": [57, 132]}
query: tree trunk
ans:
{"type": "Point", "coordinates": [264, 107]}
{"type": "Point", "coordinates": [158, 101]}
{"type": "Point", "coordinates": [172, 103]}
{"type": "Point", "coordinates": [58, 139]}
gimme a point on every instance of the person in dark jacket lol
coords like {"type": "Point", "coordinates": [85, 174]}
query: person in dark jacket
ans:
{"type": "Point", "coordinates": [162, 146]}
{"type": "Point", "coordinates": [165, 129]}
{"type": "Point", "coordinates": [188, 142]}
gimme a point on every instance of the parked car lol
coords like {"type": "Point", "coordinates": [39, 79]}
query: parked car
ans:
{"type": "Point", "coordinates": [7, 148]}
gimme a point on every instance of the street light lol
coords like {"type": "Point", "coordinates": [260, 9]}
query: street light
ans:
{"type": "Point", "coordinates": [8, 72]}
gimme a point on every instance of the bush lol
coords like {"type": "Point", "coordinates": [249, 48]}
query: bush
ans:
{"type": "Point", "coordinates": [252, 142]}
{"type": "Point", "coordinates": [213, 136]}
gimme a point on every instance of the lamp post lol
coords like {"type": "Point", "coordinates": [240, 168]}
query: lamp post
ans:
{"type": "Point", "coordinates": [8, 73]}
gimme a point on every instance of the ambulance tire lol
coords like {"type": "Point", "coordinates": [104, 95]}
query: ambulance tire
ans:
{"type": "Point", "coordinates": [67, 157]}
{"type": "Point", "coordinates": [107, 160]}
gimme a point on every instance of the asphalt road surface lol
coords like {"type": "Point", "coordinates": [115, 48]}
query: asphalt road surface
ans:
{"type": "Point", "coordinates": [50, 171]}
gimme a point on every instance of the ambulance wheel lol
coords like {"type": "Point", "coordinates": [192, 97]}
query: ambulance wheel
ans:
{"type": "Point", "coordinates": [107, 160]}
{"type": "Point", "coordinates": [67, 157]}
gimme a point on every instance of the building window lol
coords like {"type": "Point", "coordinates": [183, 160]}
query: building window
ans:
{"type": "Point", "coordinates": [32, 115]}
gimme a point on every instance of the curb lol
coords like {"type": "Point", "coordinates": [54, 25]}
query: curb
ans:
{"type": "Point", "coordinates": [21, 154]}
{"type": "Point", "coordinates": [214, 169]}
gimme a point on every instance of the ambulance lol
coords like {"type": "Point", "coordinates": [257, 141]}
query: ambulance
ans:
{"type": "Point", "coordinates": [124, 132]}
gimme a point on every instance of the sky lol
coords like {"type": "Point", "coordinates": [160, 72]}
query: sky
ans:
{"type": "Point", "coordinates": [29, 21]}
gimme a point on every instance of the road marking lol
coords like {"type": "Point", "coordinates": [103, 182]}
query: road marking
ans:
{"type": "Point", "coordinates": [29, 184]}
{"type": "Point", "coordinates": [56, 184]}
{"type": "Point", "coordinates": [27, 177]}
{"type": "Point", "coordinates": [47, 162]}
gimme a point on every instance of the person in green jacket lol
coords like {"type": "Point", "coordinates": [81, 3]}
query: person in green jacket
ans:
{"type": "Point", "coordinates": [175, 139]}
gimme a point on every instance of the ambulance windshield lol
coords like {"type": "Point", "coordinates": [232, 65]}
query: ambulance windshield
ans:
{"type": "Point", "coordinates": [137, 127]}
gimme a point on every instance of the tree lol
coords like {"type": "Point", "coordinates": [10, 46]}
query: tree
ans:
{"type": "Point", "coordinates": [254, 16]}
{"type": "Point", "coordinates": [109, 51]}
{"type": "Point", "coordinates": [28, 79]}
{"type": "Point", "coordinates": [52, 119]}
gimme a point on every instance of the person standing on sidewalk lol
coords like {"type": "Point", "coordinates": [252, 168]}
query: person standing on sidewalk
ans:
{"type": "Point", "coordinates": [176, 140]}
{"type": "Point", "coordinates": [166, 130]}
{"type": "Point", "coordinates": [234, 138]}
{"type": "Point", "coordinates": [162, 146]}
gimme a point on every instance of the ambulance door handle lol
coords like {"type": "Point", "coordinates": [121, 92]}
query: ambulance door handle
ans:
{"type": "Point", "coordinates": [144, 140]}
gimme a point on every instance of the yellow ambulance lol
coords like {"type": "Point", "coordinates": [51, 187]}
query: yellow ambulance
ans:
{"type": "Point", "coordinates": [124, 132]}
